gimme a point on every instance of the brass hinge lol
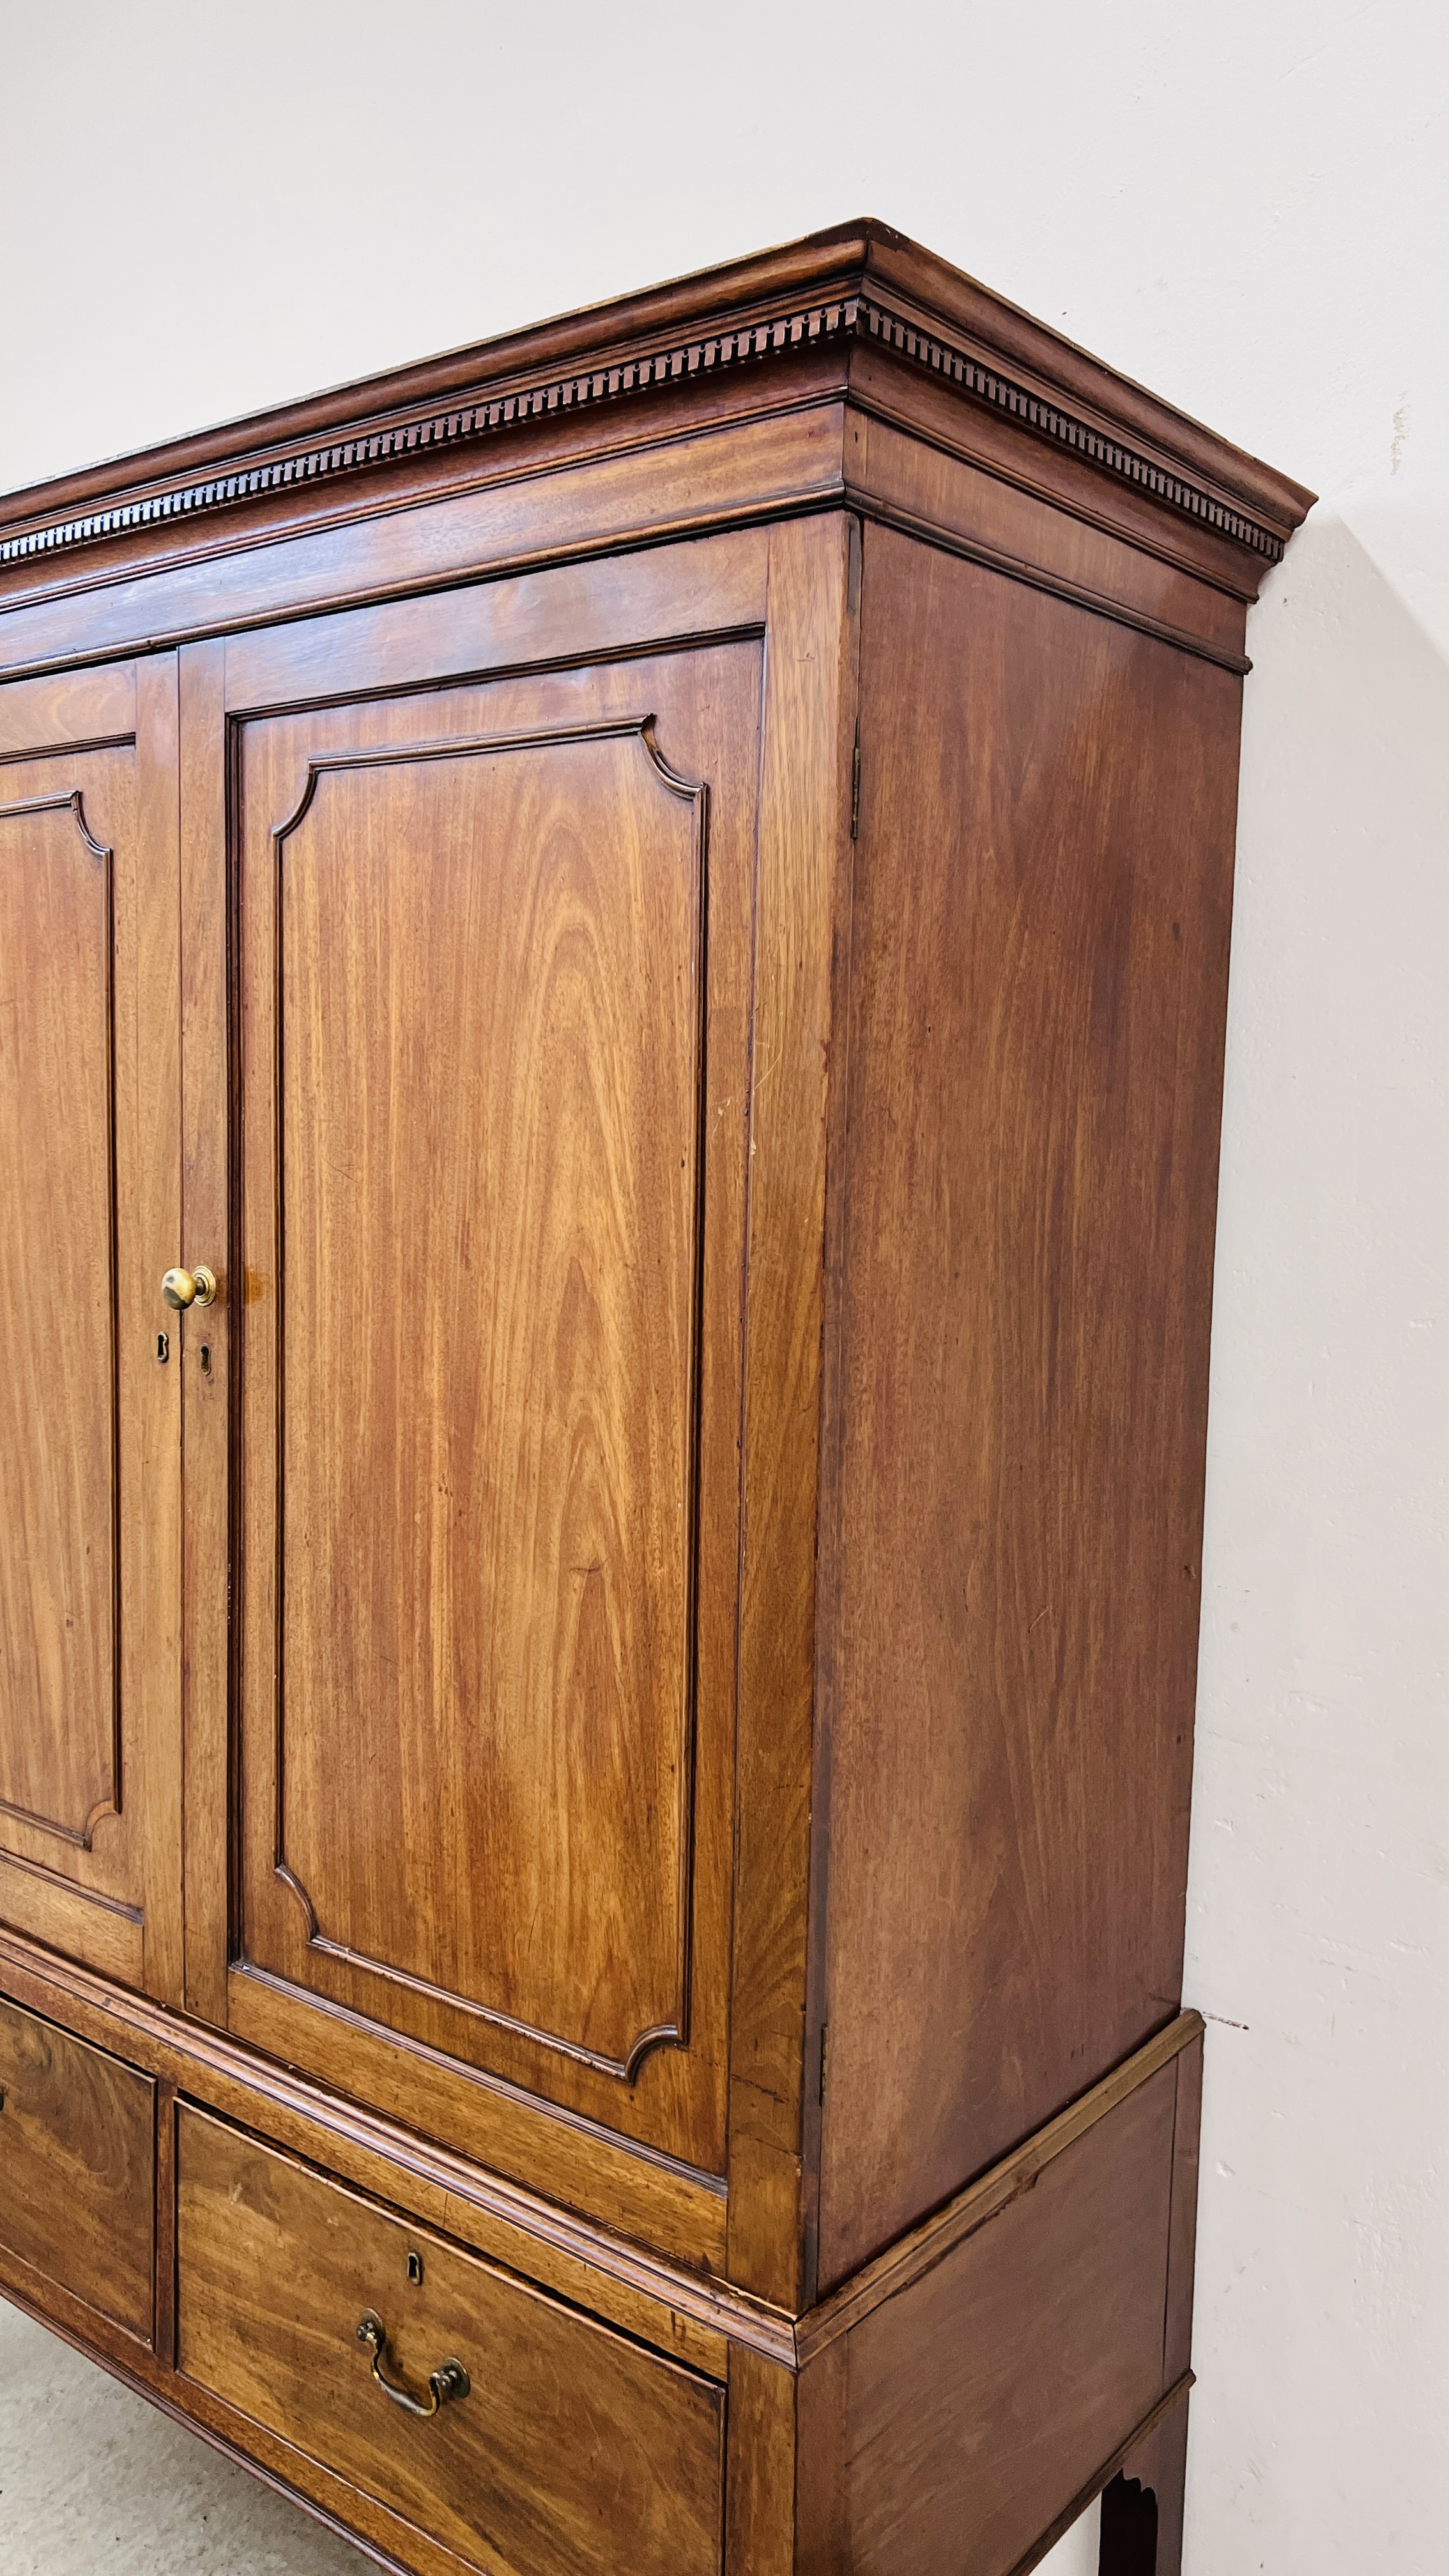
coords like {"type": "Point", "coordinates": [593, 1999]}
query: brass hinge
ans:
{"type": "Point", "coordinates": [855, 792]}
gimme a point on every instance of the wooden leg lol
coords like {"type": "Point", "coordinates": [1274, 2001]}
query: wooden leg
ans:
{"type": "Point", "coordinates": [1142, 2508]}
{"type": "Point", "coordinates": [1129, 2529]}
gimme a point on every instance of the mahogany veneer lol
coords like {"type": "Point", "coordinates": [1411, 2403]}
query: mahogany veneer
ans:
{"type": "Point", "coordinates": [594, 1758]}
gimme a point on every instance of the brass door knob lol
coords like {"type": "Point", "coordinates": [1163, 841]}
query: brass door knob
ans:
{"type": "Point", "coordinates": [189, 1287]}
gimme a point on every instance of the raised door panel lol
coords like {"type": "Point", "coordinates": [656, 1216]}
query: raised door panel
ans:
{"type": "Point", "coordinates": [89, 1453]}
{"type": "Point", "coordinates": [492, 1024]}
{"type": "Point", "coordinates": [487, 1060]}
{"type": "Point", "coordinates": [59, 1570]}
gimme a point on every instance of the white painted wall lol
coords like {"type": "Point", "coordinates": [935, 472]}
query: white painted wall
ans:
{"type": "Point", "coordinates": [204, 208]}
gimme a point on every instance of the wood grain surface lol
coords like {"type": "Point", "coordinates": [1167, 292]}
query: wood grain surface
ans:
{"type": "Point", "coordinates": [1011, 1567]}
{"type": "Point", "coordinates": [65, 711]}
{"type": "Point", "coordinates": [804, 823]}
{"type": "Point", "coordinates": [59, 1469]}
{"type": "Point", "coordinates": [494, 1008]}
{"type": "Point", "coordinates": [150, 1238]}
{"type": "Point", "coordinates": [489, 987]}
{"type": "Point", "coordinates": [984, 2398]}
{"type": "Point", "coordinates": [720, 479]}
{"type": "Point", "coordinates": [1177, 2321]}
{"type": "Point", "coordinates": [208, 1600]}
{"type": "Point", "coordinates": [90, 1418]}
{"type": "Point", "coordinates": [76, 2150]}
{"type": "Point", "coordinates": [760, 2471]}
{"type": "Point", "coordinates": [681, 2308]}
{"type": "Point", "coordinates": [922, 2248]}
{"type": "Point", "coordinates": [574, 2450]}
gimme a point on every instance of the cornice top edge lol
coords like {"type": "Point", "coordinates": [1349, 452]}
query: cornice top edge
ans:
{"type": "Point", "coordinates": [244, 474]}
{"type": "Point", "coordinates": [1148, 464]}
{"type": "Point", "coordinates": [713, 299]}
{"type": "Point", "coordinates": [961, 309]}
{"type": "Point", "coordinates": [853, 308]}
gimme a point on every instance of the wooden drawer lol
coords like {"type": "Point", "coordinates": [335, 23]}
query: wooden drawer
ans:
{"type": "Point", "coordinates": [77, 2167]}
{"type": "Point", "coordinates": [574, 2450]}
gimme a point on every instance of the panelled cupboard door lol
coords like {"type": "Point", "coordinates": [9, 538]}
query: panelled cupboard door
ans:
{"type": "Point", "coordinates": [90, 1363]}
{"type": "Point", "coordinates": [491, 1026]}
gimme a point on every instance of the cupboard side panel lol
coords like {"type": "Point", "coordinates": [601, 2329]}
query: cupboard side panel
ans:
{"type": "Point", "coordinates": [1020, 1345]}
{"type": "Point", "coordinates": [991, 2395]}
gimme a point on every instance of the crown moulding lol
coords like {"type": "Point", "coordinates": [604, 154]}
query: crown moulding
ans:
{"type": "Point", "coordinates": [450, 428]}
{"type": "Point", "coordinates": [246, 469]}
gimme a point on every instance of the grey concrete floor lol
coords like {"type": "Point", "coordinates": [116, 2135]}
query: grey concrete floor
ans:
{"type": "Point", "coordinates": [94, 2482]}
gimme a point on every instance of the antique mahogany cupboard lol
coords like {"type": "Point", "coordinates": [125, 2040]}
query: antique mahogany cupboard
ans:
{"type": "Point", "coordinates": [612, 969]}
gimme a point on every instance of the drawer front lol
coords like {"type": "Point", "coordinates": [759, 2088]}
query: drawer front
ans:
{"type": "Point", "coordinates": [574, 2452]}
{"type": "Point", "coordinates": [77, 2167]}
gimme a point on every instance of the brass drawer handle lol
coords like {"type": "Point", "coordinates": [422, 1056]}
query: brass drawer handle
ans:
{"type": "Point", "coordinates": [445, 2384]}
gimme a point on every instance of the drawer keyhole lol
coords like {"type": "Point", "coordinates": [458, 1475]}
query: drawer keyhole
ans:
{"type": "Point", "coordinates": [415, 2270]}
